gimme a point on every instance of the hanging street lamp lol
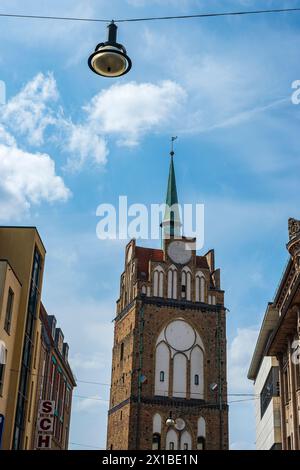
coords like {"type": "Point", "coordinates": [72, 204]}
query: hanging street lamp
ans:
{"type": "Point", "coordinates": [110, 58]}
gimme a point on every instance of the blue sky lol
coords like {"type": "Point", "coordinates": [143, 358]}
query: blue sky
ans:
{"type": "Point", "coordinates": [70, 140]}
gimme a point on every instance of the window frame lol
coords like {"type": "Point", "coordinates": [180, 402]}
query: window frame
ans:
{"type": "Point", "coordinates": [9, 310]}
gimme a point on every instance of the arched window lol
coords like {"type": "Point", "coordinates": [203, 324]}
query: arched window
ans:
{"type": "Point", "coordinates": [201, 434]}
{"type": "Point", "coordinates": [201, 443]}
{"type": "Point", "coordinates": [186, 441]}
{"type": "Point", "coordinates": [172, 440]}
{"type": "Point", "coordinates": [156, 441]}
{"type": "Point", "coordinates": [197, 373]}
{"type": "Point", "coordinates": [156, 436]}
{"type": "Point", "coordinates": [186, 278]}
{"type": "Point", "coordinates": [157, 424]}
{"type": "Point", "coordinates": [158, 282]}
{"type": "Point", "coordinates": [179, 353]}
{"type": "Point", "coordinates": [179, 375]}
{"type": "Point", "coordinates": [200, 287]}
{"type": "Point", "coordinates": [172, 283]}
{"type": "Point", "coordinates": [162, 364]}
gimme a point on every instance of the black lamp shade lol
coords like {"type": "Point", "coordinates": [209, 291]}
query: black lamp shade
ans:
{"type": "Point", "coordinates": [110, 58]}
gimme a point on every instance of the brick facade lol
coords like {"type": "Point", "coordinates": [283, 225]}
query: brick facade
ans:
{"type": "Point", "coordinates": [141, 317]}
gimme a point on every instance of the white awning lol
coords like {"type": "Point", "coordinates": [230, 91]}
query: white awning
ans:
{"type": "Point", "coordinates": [2, 352]}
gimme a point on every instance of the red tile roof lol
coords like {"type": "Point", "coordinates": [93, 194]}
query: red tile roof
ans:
{"type": "Point", "coordinates": [201, 262]}
{"type": "Point", "coordinates": [144, 255]}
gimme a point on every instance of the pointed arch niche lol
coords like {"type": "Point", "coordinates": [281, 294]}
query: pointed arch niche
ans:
{"type": "Point", "coordinates": [180, 347]}
{"type": "Point", "coordinates": [186, 281]}
{"type": "Point", "coordinates": [158, 282]}
{"type": "Point", "coordinates": [200, 287]}
{"type": "Point", "coordinates": [172, 282]}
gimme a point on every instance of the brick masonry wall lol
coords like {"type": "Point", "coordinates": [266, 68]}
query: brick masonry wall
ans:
{"type": "Point", "coordinates": [122, 433]}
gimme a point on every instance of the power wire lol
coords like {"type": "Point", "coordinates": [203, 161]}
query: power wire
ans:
{"type": "Point", "coordinates": [86, 445]}
{"type": "Point", "coordinates": [90, 398]}
{"type": "Point", "coordinates": [82, 397]}
{"type": "Point", "coordinates": [151, 18]}
{"type": "Point", "coordinates": [105, 384]}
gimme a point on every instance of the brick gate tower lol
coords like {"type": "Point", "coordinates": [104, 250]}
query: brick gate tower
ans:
{"type": "Point", "coordinates": [168, 384]}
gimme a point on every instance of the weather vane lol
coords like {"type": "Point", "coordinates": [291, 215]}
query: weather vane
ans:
{"type": "Point", "coordinates": [172, 145]}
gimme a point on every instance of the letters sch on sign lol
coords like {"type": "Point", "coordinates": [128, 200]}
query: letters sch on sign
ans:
{"type": "Point", "coordinates": [44, 441]}
{"type": "Point", "coordinates": [46, 408]}
{"type": "Point", "coordinates": [45, 424]}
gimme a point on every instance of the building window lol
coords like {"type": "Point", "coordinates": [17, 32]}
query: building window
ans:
{"type": "Point", "coordinates": [172, 283]}
{"type": "Point", "coordinates": [122, 352]}
{"type": "Point", "coordinates": [196, 379]}
{"type": "Point", "coordinates": [200, 443]}
{"type": "Point", "coordinates": [270, 390]}
{"type": "Point", "coordinates": [200, 287]}
{"type": "Point", "coordinates": [31, 319]}
{"type": "Point", "coordinates": [30, 402]}
{"type": "Point", "coordinates": [298, 380]}
{"type": "Point", "coordinates": [186, 283]}
{"type": "Point", "coordinates": [286, 380]}
{"type": "Point", "coordinates": [9, 309]}
{"type": "Point", "coordinates": [185, 446]}
{"type": "Point", "coordinates": [156, 441]}
{"type": "Point", "coordinates": [158, 282]}
{"type": "Point", "coordinates": [162, 376]}
{"type": "Point", "coordinates": [171, 445]}
{"type": "Point", "coordinates": [2, 374]}
{"type": "Point", "coordinates": [121, 415]}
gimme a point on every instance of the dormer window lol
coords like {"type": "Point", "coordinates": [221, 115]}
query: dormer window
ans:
{"type": "Point", "coordinates": [59, 339]}
{"type": "Point", "coordinates": [66, 351]}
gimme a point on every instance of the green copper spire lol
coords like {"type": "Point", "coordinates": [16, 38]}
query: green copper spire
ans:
{"type": "Point", "coordinates": [172, 197]}
{"type": "Point", "coordinates": [171, 223]}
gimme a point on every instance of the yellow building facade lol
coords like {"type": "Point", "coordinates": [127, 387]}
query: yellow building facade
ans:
{"type": "Point", "coordinates": [22, 256]}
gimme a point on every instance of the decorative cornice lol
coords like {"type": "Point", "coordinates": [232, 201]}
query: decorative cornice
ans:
{"type": "Point", "coordinates": [170, 402]}
{"type": "Point", "coordinates": [162, 302]}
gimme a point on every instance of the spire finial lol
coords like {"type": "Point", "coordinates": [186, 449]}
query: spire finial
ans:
{"type": "Point", "coordinates": [171, 223]}
{"type": "Point", "coordinates": [172, 146]}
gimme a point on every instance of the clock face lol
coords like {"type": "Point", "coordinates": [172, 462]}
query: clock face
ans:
{"type": "Point", "coordinates": [179, 253]}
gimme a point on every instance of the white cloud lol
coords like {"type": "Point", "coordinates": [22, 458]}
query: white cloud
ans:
{"type": "Point", "coordinates": [239, 356]}
{"type": "Point", "coordinates": [127, 110]}
{"type": "Point", "coordinates": [29, 112]}
{"type": "Point", "coordinates": [5, 137]}
{"type": "Point", "coordinates": [83, 143]}
{"type": "Point", "coordinates": [27, 179]}
{"type": "Point", "coordinates": [132, 109]}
